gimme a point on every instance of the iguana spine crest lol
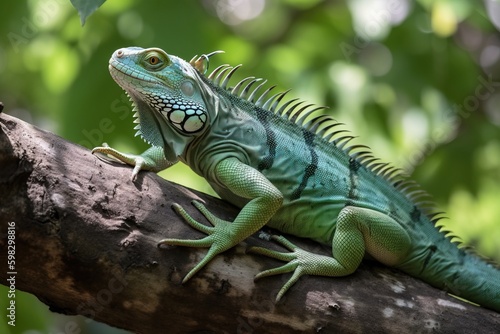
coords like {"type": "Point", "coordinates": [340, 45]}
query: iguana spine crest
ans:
{"type": "Point", "coordinates": [325, 127]}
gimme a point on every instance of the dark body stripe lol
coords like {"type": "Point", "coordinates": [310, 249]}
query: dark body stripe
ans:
{"type": "Point", "coordinates": [352, 196]}
{"type": "Point", "coordinates": [268, 160]}
{"type": "Point", "coordinates": [311, 168]}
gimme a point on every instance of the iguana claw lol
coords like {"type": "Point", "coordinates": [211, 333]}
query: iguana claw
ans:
{"type": "Point", "coordinates": [300, 262]}
{"type": "Point", "coordinates": [108, 154]}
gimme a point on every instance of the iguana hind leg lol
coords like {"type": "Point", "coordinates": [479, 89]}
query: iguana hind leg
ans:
{"type": "Point", "coordinates": [358, 230]}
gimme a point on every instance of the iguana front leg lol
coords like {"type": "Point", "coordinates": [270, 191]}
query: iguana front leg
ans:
{"type": "Point", "coordinates": [358, 230]}
{"type": "Point", "coordinates": [153, 159]}
{"type": "Point", "coordinates": [244, 181]}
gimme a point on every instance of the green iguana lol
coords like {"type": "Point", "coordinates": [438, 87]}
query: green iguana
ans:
{"type": "Point", "coordinates": [290, 170]}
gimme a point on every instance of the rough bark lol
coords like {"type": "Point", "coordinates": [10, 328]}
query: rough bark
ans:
{"type": "Point", "coordinates": [85, 243]}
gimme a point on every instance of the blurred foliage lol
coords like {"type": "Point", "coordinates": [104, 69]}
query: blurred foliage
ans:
{"type": "Point", "coordinates": [417, 80]}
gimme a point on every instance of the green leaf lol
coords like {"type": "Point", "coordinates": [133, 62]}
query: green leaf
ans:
{"type": "Point", "coordinates": [85, 8]}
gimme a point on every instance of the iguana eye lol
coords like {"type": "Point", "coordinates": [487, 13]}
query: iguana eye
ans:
{"type": "Point", "coordinates": [154, 60]}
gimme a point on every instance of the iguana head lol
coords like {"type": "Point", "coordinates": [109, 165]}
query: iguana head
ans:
{"type": "Point", "coordinates": [167, 94]}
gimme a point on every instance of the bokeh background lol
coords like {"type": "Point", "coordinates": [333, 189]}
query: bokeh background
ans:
{"type": "Point", "coordinates": [418, 81]}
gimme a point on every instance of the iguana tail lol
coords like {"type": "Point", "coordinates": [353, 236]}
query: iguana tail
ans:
{"type": "Point", "coordinates": [456, 271]}
{"type": "Point", "coordinates": [480, 282]}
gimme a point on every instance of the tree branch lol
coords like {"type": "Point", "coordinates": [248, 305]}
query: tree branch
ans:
{"type": "Point", "coordinates": [85, 243]}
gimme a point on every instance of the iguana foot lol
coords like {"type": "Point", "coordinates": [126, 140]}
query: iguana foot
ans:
{"type": "Point", "coordinates": [152, 159]}
{"type": "Point", "coordinates": [109, 154]}
{"type": "Point", "coordinates": [220, 236]}
{"type": "Point", "coordinates": [300, 262]}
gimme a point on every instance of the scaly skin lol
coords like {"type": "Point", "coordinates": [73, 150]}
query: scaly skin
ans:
{"type": "Point", "coordinates": [288, 170]}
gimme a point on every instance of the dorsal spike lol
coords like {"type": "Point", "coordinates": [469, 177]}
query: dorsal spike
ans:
{"type": "Point", "coordinates": [201, 63]}
{"type": "Point", "coordinates": [216, 52]}
{"type": "Point", "coordinates": [420, 197]}
{"type": "Point", "coordinates": [379, 166]}
{"type": "Point", "coordinates": [341, 142]}
{"type": "Point", "coordinates": [342, 145]}
{"type": "Point", "coordinates": [361, 154]}
{"type": "Point", "coordinates": [195, 58]}
{"type": "Point", "coordinates": [398, 183]}
{"type": "Point", "coordinates": [283, 109]}
{"type": "Point", "coordinates": [335, 134]}
{"type": "Point", "coordinates": [388, 172]}
{"type": "Point", "coordinates": [299, 116]}
{"type": "Point", "coordinates": [366, 159]}
{"type": "Point", "coordinates": [221, 74]}
{"type": "Point", "coordinates": [436, 214]}
{"type": "Point", "coordinates": [254, 93]}
{"type": "Point", "coordinates": [270, 100]}
{"type": "Point", "coordinates": [228, 76]}
{"type": "Point", "coordinates": [289, 111]}
{"type": "Point", "coordinates": [236, 89]}
{"type": "Point", "coordinates": [370, 161]}
{"type": "Point", "coordinates": [359, 146]}
{"type": "Point", "coordinates": [417, 194]}
{"type": "Point", "coordinates": [278, 100]}
{"type": "Point", "coordinates": [375, 164]}
{"type": "Point", "coordinates": [217, 70]}
{"type": "Point", "coordinates": [263, 97]}
{"type": "Point", "coordinates": [197, 63]}
{"type": "Point", "coordinates": [245, 91]}
{"type": "Point", "coordinates": [315, 123]}
{"type": "Point", "coordinates": [407, 186]}
{"type": "Point", "coordinates": [391, 173]}
{"type": "Point", "coordinates": [311, 125]}
{"type": "Point", "coordinates": [325, 131]}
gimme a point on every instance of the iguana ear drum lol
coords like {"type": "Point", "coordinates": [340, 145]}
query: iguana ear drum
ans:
{"type": "Point", "coordinates": [186, 116]}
